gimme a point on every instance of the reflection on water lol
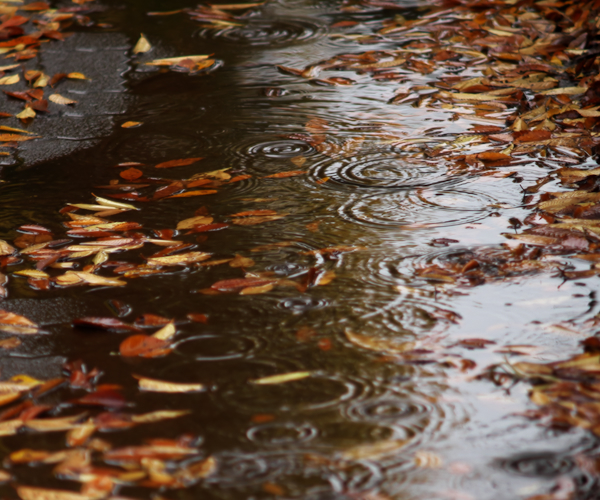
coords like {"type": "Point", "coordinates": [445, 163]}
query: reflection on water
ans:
{"type": "Point", "coordinates": [366, 424]}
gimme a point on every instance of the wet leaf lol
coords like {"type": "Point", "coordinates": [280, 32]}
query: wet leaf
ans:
{"type": "Point", "coordinates": [282, 378]}
{"type": "Point", "coordinates": [171, 61]}
{"type": "Point", "coordinates": [158, 416]}
{"type": "Point", "coordinates": [131, 124]}
{"type": "Point", "coordinates": [252, 221]}
{"type": "Point", "coordinates": [167, 332]}
{"type": "Point", "coordinates": [238, 284]}
{"type": "Point", "coordinates": [379, 344]}
{"type": "Point", "coordinates": [283, 175]}
{"type": "Point", "coordinates": [256, 290]}
{"type": "Point", "coordinates": [131, 174]}
{"type": "Point", "coordinates": [374, 451]}
{"type": "Point", "coordinates": [192, 222]}
{"type": "Point", "coordinates": [10, 80]}
{"type": "Point", "coordinates": [178, 163]}
{"type": "Point", "coordinates": [34, 493]}
{"type": "Point", "coordinates": [145, 346]}
{"type": "Point", "coordinates": [15, 323]}
{"type": "Point", "coordinates": [153, 385]}
{"type": "Point", "coordinates": [241, 261]}
{"type": "Point", "coordinates": [142, 46]}
{"type": "Point", "coordinates": [183, 259]}
{"type": "Point", "coordinates": [59, 99]}
{"type": "Point", "coordinates": [110, 324]}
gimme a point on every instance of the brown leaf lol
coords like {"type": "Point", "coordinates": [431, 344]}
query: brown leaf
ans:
{"type": "Point", "coordinates": [532, 136]}
{"type": "Point", "coordinates": [177, 163]}
{"type": "Point", "coordinates": [282, 175]}
{"type": "Point", "coordinates": [199, 220]}
{"type": "Point", "coordinates": [238, 284]}
{"type": "Point", "coordinates": [254, 212]}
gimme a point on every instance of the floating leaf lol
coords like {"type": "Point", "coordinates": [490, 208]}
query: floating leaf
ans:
{"type": "Point", "coordinates": [153, 385]}
{"type": "Point", "coordinates": [15, 323]}
{"type": "Point", "coordinates": [171, 61]}
{"type": "Point", "coordinates": [199, 220]}
{"type": "Point", "coordinates": [178, 163]}
{"type": "Point", "coordinates": [282, 378]}
{"type": "Point", "coordinates": [131, 124]}
{"type": "Point", "coordinates": [144, 346]}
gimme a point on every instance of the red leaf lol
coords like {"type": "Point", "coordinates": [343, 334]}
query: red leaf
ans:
{"type": "Point", "coordinates": [151, 320]}
{"type": "Point", "coordinates": [208, 227]}
{"type": "Point", "coordinates": [34, 228]}
{"type": "Point", "coordinates": [103, 397]}
{"type": "Point", "coordinates": [198, 318]}
{"type": "Point", "coordinates": [144, 346]}
{"type": "Point", "coordinates": [178, 163]}
{"type": "Point", "coordinates": [110, 324]}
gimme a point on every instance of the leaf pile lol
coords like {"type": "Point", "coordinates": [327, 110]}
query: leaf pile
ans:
{"type": "Point", "coordinates": [83, 409]}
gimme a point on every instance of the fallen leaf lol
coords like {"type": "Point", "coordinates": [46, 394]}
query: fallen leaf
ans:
{"type": "Point", "coordinates": [282, 378]}
{"type": "Point", "coordinates": [63, 101]}
{"type": "Point", "coordinates": [145, 346]}
{"type": "Point", "coordinates": [153, 385]}
{"type": "Point", "coordinates": [282, 175]}
{"type": "Point", "coordinates": [199, 220]}
{"type": "Point", "coordinates": [131, 124]}
{"type": "Point", "coordinates": [142, 46]}
{"type": "Point", "coordinates": [178, 163]}
{"type": "Point", "coordinates": [33, 493]}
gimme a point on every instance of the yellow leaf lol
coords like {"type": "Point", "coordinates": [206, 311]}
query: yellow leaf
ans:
{"type": "Point", "coordinates": [256, 290]}
{"type": "Point", "coordinates": [282, 378]}
{"type": "Point", "coordinates": [166, 332]}
{"type": "Point", "coordinates": [114, 204]}
{"type": "Point", "coordinates": [199, 220]}
{"type": "Point", "coordinates": [157, 416]}
{"type": "Point", "coordinates": [63, 101]}
{"type": "Point", "coordinates": [42, 81]}
{"type": "Point", "coordinates": [76, 76]}
{"type": "Point", "coordinates": [10, 80]}
{"type": "Point", "coordinates": [33, 273]}
{"type": "Point", "coordinates": [142, 46]}
{"type": "Point", "coordinates": [170, 61]}
{"type": "Point", "coordinates": [153, 385]}
{"type": "Point", "coordinates": [26, 114]}
{"type": "Point", "coordinates": [31, 493]}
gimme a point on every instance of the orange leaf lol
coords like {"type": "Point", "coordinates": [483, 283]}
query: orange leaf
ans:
{"type": "Point", "coordinates": [178, 163]}
{"type": "Point", "coordinates": [131, 174]}
{"type": "Point", "coordinates": [145, 346]}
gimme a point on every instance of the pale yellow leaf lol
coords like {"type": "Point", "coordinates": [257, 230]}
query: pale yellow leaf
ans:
{"type": "Point", "coordinates": [153, 385]}
{"type": "Point", "coordinates": [142, 46]}
{"type": "Point", "coordinates": [10, 80]}
{"type": "Point", "coordinates": [282, 378]}
{"type": "Point", "coordinates": [63, 101]}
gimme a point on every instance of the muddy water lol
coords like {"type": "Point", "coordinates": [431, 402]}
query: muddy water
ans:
{"type": "Point", "coordinates": [365, 423]}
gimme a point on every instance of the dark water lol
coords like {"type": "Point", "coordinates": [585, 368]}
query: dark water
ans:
{"type": "Point", "coordinates": [365, 424]}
